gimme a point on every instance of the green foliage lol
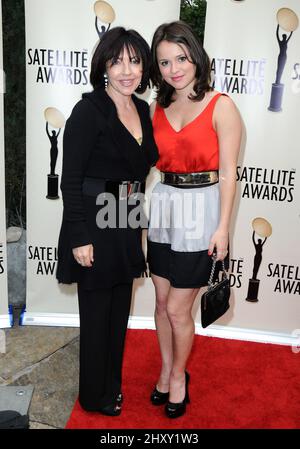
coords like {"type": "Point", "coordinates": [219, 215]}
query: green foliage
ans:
{"type": "Point", "coordinates": [14, 110]}
{"type": "Point", "coordinates": [193, 12]}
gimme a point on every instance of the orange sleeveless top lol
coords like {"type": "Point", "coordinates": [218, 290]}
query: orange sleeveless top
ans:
{"type": "Point", "coordinates": [192, 149]}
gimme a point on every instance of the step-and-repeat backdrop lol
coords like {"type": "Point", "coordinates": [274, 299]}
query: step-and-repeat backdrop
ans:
{"type": "Point", "coordinates": [254, 48]}
{"type": "Point", "coordinates": [60, 38]}
{"type": "Point", "coordinates": [4, 315]}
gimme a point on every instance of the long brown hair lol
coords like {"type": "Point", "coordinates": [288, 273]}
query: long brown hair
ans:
{"type": "Point", "coordinates": [180, 32]}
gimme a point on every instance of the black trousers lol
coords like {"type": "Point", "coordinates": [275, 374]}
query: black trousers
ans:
{"type": "Point", "coordinates": [103, 315]}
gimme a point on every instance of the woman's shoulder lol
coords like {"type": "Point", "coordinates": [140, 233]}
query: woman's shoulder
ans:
{"type": "Point", "coordinates": [225, 108]}
{"type": "Point", "coordinates": [89, 107]}
{"type": "Point", "coordinates": [83, 106]}
{"type": "Point", "coordinates": [221, 97]}
{"type": "Point", "coordinates": [147, 109]}
{"type": "Point", "coordinates": [99, 99]}
{"type": "Point", "coordinates": [223, 104]}
{"type": "Point", "coordinates": [141, 103]}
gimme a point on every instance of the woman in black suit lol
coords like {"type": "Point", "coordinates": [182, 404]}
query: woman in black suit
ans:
{"type": "Point", "coordinates": [108, 150]}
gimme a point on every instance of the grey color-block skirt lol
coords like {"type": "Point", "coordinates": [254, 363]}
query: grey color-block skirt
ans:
{"type": "Point", "coordinates": [182, 221]}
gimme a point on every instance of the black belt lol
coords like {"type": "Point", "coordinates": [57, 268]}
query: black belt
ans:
{"type": "Point", "coordinates": [120, 189]}
{"type": "Point", "coordinates": [190, 179]}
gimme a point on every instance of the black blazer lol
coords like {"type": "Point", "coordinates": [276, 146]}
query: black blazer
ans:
{"type": "Point", "coordinates": [96, 144]}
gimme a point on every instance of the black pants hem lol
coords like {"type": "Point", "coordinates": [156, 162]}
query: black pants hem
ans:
{"type": "Point", "coordinates": [103, 317]}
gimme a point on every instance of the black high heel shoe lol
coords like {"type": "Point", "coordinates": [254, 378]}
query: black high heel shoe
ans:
{"type": "Point", "coordinates": [176, 409]}
{"type": "Point", "coordinates": [159, 398]}
{"type": "Point", "coordinates": [120, 399]}
{"type": "Point", "coordinates": [111, 410]}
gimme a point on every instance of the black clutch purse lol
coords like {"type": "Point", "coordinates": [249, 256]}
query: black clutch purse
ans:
{"type": "Point", "coordinates": [215, 301]}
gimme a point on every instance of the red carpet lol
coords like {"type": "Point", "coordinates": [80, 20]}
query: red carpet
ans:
{"type": "Point", "coordinates": [234, 385]}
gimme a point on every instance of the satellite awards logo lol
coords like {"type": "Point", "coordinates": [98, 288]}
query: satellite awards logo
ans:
{"type": "Point", "coordinates": [288, 21]}
{"type": "Point", "coordinates": [263, 229]}
{"type": "Point", "coordinates": [56, 119]}
{"type": "Point", "coordinates": [105, 15]}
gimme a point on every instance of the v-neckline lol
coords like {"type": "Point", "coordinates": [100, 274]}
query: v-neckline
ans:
{"type": "Point", "coordinates": [142, 137]}
{"type": "Point", "coordinates": [192, 121]}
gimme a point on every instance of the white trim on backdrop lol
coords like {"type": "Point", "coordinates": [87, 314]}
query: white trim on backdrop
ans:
{"type": "Point", "coordinates": [140, 322]}
{"type": "Point", "coordinates": [7, 320]}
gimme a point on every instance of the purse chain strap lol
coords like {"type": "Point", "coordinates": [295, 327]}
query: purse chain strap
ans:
{"type": "Point", "coordinates": [210, 281]}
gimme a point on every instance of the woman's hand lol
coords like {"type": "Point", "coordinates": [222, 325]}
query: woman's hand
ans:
{"type": "Point", "coordinates": [219, 244]}
{"type": "Point", "coordinates": [84, 255]}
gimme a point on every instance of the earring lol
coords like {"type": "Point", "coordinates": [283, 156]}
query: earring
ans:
{"type": "Point", "coordinates": [105, 80]}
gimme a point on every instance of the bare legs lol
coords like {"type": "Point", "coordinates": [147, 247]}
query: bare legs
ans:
{"type": "Point", "coordinates": [164, 331]}
{"type": "Point", "coordinates": [175, 330]}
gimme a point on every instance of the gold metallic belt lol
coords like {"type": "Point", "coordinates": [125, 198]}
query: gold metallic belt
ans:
{"type": "Point", "coordinates": [190, 179]}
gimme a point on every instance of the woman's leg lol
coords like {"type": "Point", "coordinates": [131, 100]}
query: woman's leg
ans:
{"type": "Point", "coordinates": [103, 323]}
{"type": "Point", "coordinates": [121, 300]}
{"type": "Point", "coordinates": [164, 331]}
{"type": "Point", "coordinates": [179, 309]}
{"type": "Point", "coordinates": [94, 313]}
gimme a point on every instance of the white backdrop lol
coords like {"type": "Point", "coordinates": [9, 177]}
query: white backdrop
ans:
{"type": "Point", "coordinates": [240, 38]}
{"type": "Point", "coordinates": [4, 315]}
{"type": "Point", "coordinates": [60, 37]}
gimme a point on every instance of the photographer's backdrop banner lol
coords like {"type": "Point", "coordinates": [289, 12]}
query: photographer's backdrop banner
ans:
{"type": "Point", "coordinates": [60, 38]}
{"type": "Point", "coordinates": [242, 39]}
{"type": "Point", "coordinates": [4, 314]}
{"type": "Point", "coordinates": [254, 49]}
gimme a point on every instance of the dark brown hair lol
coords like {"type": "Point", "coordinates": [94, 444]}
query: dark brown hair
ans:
{"type": "Point", "coordinates": [110, 47]}
{"type": "Point", "coordinates": [180, 33]}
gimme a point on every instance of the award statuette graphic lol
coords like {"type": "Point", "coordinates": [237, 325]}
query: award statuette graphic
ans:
{"type": "Point", "coordinates": [263, 229]}
{"type": "Point", "coordinates": [56, 119]}
{"type": "Point", "coordinates": [106, 14]}
{"type": "Point", "coordinates": [287, 21]}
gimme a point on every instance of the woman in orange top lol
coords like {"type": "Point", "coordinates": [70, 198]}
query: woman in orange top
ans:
{"type": "Point", "coordinates": [198, 132]}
